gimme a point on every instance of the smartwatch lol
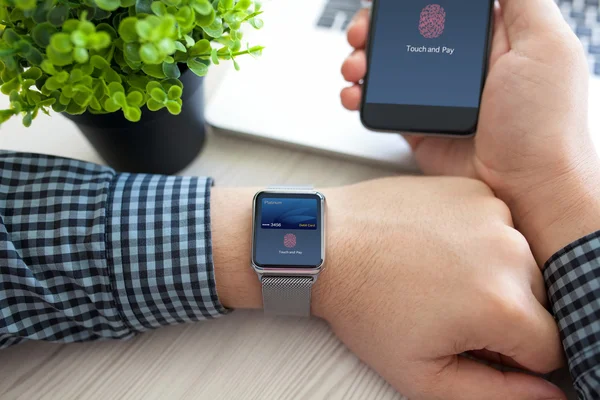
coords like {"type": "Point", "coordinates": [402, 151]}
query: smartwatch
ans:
{"type": "Point", "coordinates": [288, 246]}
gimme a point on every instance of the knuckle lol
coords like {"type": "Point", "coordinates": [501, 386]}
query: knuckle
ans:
{"type": "Point", "coordinates": [480, 187]}
{"type": "Point", "coordinates": [495, 210]}
{"type": "Point", "coordinates": [516, 243]}
{"type": "Point", "coordinates": [512, 311]}
{"type": "Point", "coordinates": [499, 208]}
{"type": "Point", "coordinates": [476, 189]}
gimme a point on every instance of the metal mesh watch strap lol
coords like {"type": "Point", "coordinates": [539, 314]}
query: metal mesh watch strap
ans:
{"type": "Point", "coordinates": [287, 295]}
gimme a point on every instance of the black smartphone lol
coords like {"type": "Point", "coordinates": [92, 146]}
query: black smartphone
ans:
{"type": "Point", "coordinates": [426, 65]}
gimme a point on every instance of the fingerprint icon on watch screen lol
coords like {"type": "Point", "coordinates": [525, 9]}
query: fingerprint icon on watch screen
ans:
{"type": "Point", "coordinates": [433, 21]}
{"type": "Point", "coordinates": [289, 240]}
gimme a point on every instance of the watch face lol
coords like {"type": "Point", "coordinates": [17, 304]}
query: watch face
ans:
{"type": "Point", "coordinates": [287, 230]}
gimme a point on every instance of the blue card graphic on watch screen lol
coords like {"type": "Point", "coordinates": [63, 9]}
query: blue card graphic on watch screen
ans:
{"type": "Point", "coordinates": [287, 230]}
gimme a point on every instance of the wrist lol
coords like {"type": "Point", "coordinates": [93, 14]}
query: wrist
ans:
{"type": "Point", "coordinates": [559, 211]}
{"type": "Point", "coordinates": [231, 228]}
{"type": "Point", "coordinates": [328, 295]}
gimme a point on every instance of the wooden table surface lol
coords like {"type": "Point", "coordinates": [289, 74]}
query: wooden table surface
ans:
{"type": "Point", "coordinates": [241, 356]}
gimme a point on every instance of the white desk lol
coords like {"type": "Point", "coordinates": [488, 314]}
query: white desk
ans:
{"type": "Point", "coordinates": [241, 356]}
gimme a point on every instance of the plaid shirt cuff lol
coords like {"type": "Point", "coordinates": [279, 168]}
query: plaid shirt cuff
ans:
{"type": "Point", "coordinates": [573, 279]}
{"type": "Point", "coordinates": [89, 254]}
{"type": "Point", "coordinates": [159, 247]}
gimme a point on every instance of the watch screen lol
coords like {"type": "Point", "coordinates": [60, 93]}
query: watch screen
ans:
{"type": "Point", "coordinates": [287, 230]}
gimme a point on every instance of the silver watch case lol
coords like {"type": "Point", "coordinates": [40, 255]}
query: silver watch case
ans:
{"type": "Point", "coordinates": [288, 271]}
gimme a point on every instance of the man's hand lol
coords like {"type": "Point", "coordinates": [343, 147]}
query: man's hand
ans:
{"type": "Point", "coordinates": [418, 271]}
{"type": "Point", "coordinates": [532, 147]}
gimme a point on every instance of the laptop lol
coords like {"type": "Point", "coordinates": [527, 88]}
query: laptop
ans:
{"type": "Point", "coordinates": [290, 95]}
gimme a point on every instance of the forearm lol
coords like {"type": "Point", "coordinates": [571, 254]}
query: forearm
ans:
{"type": "Point", "coordinates": [159, 250]}
{"type": "Point", "coordinates": [560, 211]}
{"type": "Point", "coordinates": [558, 219]}
{"type": "Point", "coordinates": [573, 280]}
{"type": "Point", "coordinates": [87, 253]}
{"type": "Point", "coordinates": [231, 221]}
{"type": "Point", "coordinates": [55, 282]}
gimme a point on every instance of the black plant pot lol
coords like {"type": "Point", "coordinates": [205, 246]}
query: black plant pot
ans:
{"type": "Point", "coordinates": [160, 143]}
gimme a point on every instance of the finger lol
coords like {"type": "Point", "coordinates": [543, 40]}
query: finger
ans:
{"type": "Point", "coordinates": [522, 329]}
{"type": "Point", "coordinates": [525, 263]}
{"type": "Point", "coordinates": [495, 358]}
{"type": "Point", "coordinates": [538, 287]}
{"type": "Point", "coordinates": [351, 97]}
{"type": "Point", "coordinates": [359, 30]}
{"type": "Point", "coordinates": [531, 19]}
{"type": "Point", "coordinates": [500, 43]}
{"type": "Point", "coordinates": [540, 348]}
{"type": "Point", "coordinates": [464, 379]}
{"type": "Point", "coordinates": [354, 68]}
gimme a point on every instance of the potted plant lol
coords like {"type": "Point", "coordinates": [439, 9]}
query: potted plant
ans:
{"type": "Point", "coordinates": [127, 72]}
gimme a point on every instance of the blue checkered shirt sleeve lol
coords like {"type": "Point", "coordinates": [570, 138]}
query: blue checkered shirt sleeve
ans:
{"type": "Point", "coordinates": [87, 253]}
{"type": "Point", "coordinates": [573, 279]}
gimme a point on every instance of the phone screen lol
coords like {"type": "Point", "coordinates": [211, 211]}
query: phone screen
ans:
{"type": "Point", "coordinates": [428, 54]}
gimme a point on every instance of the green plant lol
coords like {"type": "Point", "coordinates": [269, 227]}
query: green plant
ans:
{"type": "Point", "coordinates": [103, 56]}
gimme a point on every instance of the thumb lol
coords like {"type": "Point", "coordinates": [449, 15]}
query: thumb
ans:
{"type": "Point", "coordinates": [467, 379]}
{"type": "Point", "coordinates": [531, 20]}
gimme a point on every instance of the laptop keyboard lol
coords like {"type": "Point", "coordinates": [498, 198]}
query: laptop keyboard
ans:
{"type": "Point", "coordinates": [582, 15]}
{"type": "Point", "coordinates": [584, 18]}
{"type": "Point", "coordinates": [337, 14]}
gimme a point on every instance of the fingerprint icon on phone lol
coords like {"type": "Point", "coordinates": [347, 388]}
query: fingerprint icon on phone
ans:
{"type": "Point", "coordinates": [289, 240]}
{"type": "Point", "coordinates": [433, 21]}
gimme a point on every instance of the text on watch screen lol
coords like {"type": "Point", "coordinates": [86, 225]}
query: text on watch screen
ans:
{"type": "Point", "coordinates": [288, 231]}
